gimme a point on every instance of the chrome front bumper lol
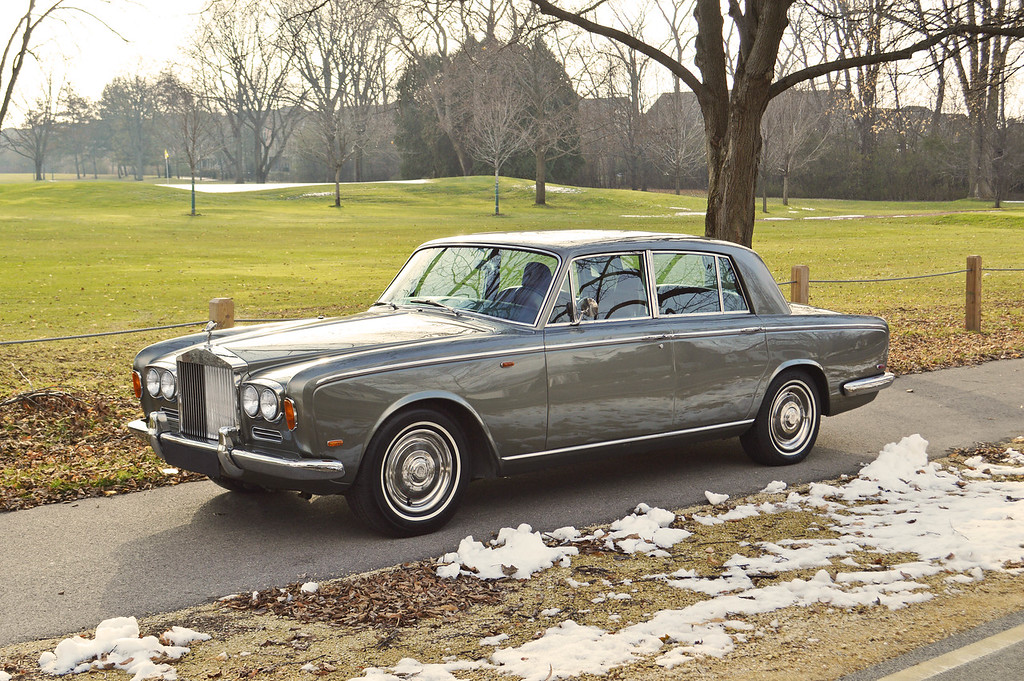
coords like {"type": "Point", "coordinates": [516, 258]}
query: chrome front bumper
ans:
{"type": "Point", "coordinates": [235, 461]}
{"type": "Point", "coordinates": [872, 384]}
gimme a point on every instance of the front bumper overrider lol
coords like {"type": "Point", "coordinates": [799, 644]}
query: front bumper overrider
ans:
{"type": "Point", "coordinates": [226, 458]}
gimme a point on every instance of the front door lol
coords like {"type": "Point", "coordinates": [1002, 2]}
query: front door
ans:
{"type": "Point", "coordinates": [610, 378]}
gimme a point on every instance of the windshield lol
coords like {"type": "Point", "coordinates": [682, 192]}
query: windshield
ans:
{"type": "Point", "coordinates": [497, 282]}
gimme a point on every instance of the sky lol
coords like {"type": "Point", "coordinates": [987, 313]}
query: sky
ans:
{"type": "Point", "coordinates": [82, 51]}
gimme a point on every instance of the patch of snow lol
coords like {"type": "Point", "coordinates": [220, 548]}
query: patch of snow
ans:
{"type": "Point", "coordinates": [494, 640]}
{"type": "Point", "coordinates": [716, 499]}
{"type": "Point", "coordinates": [517, 553]}
{"type": "Point", "coordinates": [117, 645]}
{"type": "Point", "coordinates": [309, 588]}
{"type": "Point", "coordinates": [258, 187]}
{"type": "Point", "coordinates": [774, 487]}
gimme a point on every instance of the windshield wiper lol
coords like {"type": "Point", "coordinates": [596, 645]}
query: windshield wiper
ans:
{"type": "Point", "coordinates": [428, 301]}
{"type": "Point", "coordinates": [391, 305]}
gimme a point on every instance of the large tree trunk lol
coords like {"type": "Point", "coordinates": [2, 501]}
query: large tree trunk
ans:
{"type": "Point", "coordinates": [732, 165]}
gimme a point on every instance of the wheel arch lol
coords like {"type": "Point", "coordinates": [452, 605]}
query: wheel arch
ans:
{"type": "Point", "coordinates": [817, 374]}
{"type": "Point", "coordinates": [483, 458]}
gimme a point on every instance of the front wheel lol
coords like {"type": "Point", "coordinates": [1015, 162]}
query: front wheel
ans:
{"type": "Point", "coordinates": [786, 426]}
{"type": "Point", "coordinates": [413, 475]}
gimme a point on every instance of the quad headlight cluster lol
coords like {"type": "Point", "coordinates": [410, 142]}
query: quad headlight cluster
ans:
{"type": "Point", "coordinates": [161, 383]}
{"type": "Point", "coordinates": [261, 401]}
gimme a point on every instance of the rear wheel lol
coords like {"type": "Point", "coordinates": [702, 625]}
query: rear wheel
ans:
{"type": "Point", "coordinates": [413, 475]}
{"type": "Point", "coordinates": [787, 424]}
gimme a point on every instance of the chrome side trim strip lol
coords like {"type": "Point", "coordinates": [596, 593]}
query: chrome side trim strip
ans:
{"type": "Point", "coordinates": [871, 384]}
{"type": "Point", "coordinates": [426, 362]}
{"type": "Point", "coordinates": [642, 438]}
{"type": "Point", "coordinates": [824, 327]}
{"type": "Point", "coordinates": [660, 338]}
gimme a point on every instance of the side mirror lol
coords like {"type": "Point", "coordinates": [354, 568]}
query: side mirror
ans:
{"type": "Point", "coordinates": [586, 309]}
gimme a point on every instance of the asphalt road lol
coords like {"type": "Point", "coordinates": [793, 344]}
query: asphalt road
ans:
{"type": "Point", "coordinates": [64, 568]}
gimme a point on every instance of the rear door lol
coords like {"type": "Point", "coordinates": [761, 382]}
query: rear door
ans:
{"type": "Point", "coordinates": [718, 346]}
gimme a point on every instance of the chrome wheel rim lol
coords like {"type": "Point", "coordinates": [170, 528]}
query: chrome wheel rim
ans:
{"type": "Point", "coordinates": [420, 471]}
{"type": "Point", "coordinates": [792, 416]}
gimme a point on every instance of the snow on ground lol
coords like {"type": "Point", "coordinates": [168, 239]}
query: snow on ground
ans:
{"type": "Point", "coordinates": [117, 645]}
{"type": "Point", "coordinates": [257, 187]}
{"type": "Point", "coordinates": [958, 523]}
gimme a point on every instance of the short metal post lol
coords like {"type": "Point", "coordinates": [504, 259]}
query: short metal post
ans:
{"type": "Point", "coordinates": [799, 289]}
{"type": "Point", "coordinates": [222, 311]}
{"type": "Point", "coordinates": [972, 316]}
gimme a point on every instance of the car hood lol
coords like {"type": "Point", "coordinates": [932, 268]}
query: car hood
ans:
{"type": "Point", "coordinates": [270, 346]}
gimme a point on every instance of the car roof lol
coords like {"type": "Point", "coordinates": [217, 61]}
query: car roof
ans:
{"type": "Point", "coordinates": [570, 241]}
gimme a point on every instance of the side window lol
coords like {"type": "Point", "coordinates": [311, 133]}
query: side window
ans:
{"type": "Point", "coordinates": [732, 295]}
{"type": "Point", "coordinates": [615, 282]}
{"type": "Point", "coordinates": [688, 283]}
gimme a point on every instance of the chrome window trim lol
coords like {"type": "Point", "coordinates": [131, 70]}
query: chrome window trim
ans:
{"type": "Point", "coordinates": [574, 286]}
{"type": "Point", "coordinates": [538, 321]}
{"type": "Point", "coordinates": [718, 275]}
{"type": "Point", "coordinates": [641, 438]}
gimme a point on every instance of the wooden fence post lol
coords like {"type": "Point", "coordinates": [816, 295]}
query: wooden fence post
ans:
{"type": "Point", "coordinates": [222, 311]}
{"type": "Point", "coordinates": [972, 316]}
{"type": "Point", "coordinates": [799, 290]}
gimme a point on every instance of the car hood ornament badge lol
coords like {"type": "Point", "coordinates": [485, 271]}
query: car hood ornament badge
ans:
{"type": "Point", "coordinates": [210, 326]}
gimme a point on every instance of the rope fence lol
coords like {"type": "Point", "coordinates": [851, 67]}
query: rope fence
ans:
{"type": "Point", "coordinates": [801, 281]}
{"type": "Point", "coordinates": [222, 310]}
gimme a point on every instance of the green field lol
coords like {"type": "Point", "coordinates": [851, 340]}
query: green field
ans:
{"type": "Point", "coordinates": [85, 257]}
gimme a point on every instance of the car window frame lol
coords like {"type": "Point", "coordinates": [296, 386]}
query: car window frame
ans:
{"type": "Point", "coordinates": [571, 276]}
{"type": "Point", "coordinates": [540, 319]}
{"type": "Point", "coordinates": [718, 276]}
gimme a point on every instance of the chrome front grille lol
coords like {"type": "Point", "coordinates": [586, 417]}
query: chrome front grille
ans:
{"type": "Point", "coordinates": [207, 399]}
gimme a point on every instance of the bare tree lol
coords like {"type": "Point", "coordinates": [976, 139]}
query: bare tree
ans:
{"type": "Point", "coordinates": [192, 124]}
{"type": "Point", "coordinates": [21, 42]}
{"type": "Point", "coordinates": [341, 51]}
{"type": "Point", "coordinates": [130, 105]}
{"type": "Point", "coordinates": [78, 116]}
{"type": "Point", "coordinates": [982, 66]}
{"type": "Point", "coordinates": [551, 105]}
{"type": "Point", "coordinates": [245, 69]}
{"type": "Point", "coordinates": [794, 130]}
{"type": "Point", "coordinates": [34, 140]}
{"type": "Point", "coordinates": [675, 137]}
{"type": "Point", "coordinates": [738, 79]}
{"type": "Point", "coordinates": [496, 112]}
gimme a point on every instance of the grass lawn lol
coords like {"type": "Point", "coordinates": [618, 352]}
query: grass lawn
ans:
{"type": "Point", "coordinates": [96, 256]}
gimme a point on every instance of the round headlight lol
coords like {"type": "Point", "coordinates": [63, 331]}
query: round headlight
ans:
{"type": "Point", "coordinates": [168, 385]}
{"type": "Point", "coordinates": [153, 382]}
{"type": "Point", "coordinates": [250, 401]}
{"type": "Point", "coordinates": [269, 405]}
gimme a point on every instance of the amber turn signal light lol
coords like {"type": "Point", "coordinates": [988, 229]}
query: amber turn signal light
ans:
{"type": "Point", "coordinates": [289, 413]}
{"type": "Point", "coordinates": [137, 384]}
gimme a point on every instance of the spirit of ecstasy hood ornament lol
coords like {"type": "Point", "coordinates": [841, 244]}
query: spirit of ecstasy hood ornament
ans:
{"type": "Point", "coordinates": [210, 326]}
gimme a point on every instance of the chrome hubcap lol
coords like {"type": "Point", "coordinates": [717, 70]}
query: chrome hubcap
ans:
{"type": "Point", "coordinates": [419, 469]}
{"type": "Point", "coordinates": [792, 417]}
